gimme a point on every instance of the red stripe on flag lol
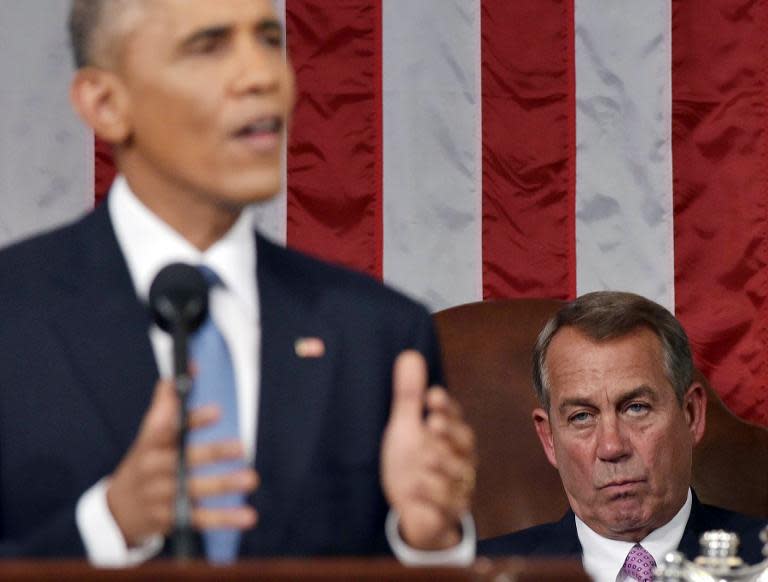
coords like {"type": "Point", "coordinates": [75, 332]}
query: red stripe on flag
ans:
{"type": "Point", "coordinates": [334, 155]}
{"type": "Point", "coordinates": [720, 153]}
{"type": "Point", "coordinates": [528, 149]}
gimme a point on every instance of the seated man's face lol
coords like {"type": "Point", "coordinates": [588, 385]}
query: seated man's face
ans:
{"type": "Point", "coordinates": [616, 432]}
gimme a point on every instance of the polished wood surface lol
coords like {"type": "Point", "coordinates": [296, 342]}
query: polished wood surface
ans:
{"type": "Point", "coordinates": [316, 570]}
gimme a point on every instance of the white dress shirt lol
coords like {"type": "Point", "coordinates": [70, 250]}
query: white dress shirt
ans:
{"type": "Point", "coordinates": [604, 558]}
{"type": "Point", "coordinates": [148, 245]}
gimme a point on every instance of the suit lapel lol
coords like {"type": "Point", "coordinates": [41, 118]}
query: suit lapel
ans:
{"type": "Point", "coordinates": [104, 328]}
{"type": "Point", "coordinates": [565, 541]}
{"type": "Point", "coordinates": [294, 390]}
{"type": "Point", "coordinates": [689, 543]}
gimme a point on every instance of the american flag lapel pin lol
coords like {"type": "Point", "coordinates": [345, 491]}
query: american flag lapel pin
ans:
{"type": "Point", "coordinates": [309, 347]}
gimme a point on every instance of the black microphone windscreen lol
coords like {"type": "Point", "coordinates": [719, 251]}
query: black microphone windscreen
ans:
{"type": "Point", "coordinates": [179, 297]}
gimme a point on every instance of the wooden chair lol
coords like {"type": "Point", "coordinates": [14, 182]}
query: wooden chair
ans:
{"type": "Point", "coordinates": [487, 350]}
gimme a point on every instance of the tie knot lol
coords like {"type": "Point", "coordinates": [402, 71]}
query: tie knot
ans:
{"type": "Point", "coordinates": [210, 276]}
{"type": "Point", "coordinates": [639, 564]}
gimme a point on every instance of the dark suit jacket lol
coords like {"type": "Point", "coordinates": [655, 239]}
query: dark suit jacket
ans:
{"type": "Point", "coordinates": [560, 538]}
{"type": "Point", "coordinates": [77, 371]}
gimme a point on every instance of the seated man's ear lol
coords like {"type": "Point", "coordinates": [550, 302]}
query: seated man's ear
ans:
{"type": "Point", "coordinates": [695, 410]}
{"type": "Point", "coordinates": [544, 431]}
{"type": "Point", "coordinates": [102, 102]}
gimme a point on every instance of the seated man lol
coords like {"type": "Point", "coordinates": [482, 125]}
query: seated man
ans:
{"type": "Point", "coordinates": [620, 414]}
{"type": "Point", "coordinates": [194, 96]}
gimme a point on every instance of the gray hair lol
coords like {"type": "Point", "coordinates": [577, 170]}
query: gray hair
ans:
{"type": "Point", "coordinates": [606, 315]}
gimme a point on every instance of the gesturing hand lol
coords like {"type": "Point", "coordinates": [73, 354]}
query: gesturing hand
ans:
{"type": "Point", "coordinates": [141, 491]}
{"type": "Point", "coordinates": [427, 464]}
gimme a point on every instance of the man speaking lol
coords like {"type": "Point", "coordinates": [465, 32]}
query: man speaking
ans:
{"type": "Point", "coordinates": [320, 376]}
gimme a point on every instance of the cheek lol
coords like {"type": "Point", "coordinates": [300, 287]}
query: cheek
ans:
{"type": "Point", "coordinates": [575, 461]}
{"type": "Point", "coordinates": [195, 117]}
{"type": "Point", "coordinates": [171, 118]}
{"type": "Point", "coordinates": [191, 100]}
{"type": "Point", "coordinates": [289, 86]}
{"type": "Point", "coordinates": [664, 456]}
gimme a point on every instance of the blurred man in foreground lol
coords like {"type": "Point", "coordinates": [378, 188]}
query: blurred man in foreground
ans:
{"type": "Point", "coordinates": [327, 370]}
{"type": "Point", "coordinates": [620, 414]}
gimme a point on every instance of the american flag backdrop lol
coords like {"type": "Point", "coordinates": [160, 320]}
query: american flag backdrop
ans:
{"type": "Point", "coordinates": [478, 149]}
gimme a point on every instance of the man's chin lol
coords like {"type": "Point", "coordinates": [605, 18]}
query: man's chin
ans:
{"type": "Point", "coordinates": [629, 524]}
{"type": "Point", "coordinates": [243, 186]}
{"type": "Point", "coordinates": [620, 517]}
{"type": "Point", "coordinates": [236, 199]}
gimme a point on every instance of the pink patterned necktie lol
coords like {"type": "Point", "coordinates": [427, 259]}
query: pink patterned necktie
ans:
{"type": "Point", "coordinates": [639, 564]}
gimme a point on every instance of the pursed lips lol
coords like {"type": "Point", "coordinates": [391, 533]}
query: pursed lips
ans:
{"type": "Point", "coordinates": [621, 488]}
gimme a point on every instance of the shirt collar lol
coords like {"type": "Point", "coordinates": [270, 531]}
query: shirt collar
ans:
{"type": "Point", "coordinates": [603, 558]}
{"type": "Point", "coordinates": [149, 244]}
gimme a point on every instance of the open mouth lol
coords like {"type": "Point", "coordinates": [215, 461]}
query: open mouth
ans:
{"type": "Point", "coordinates": [264, 127]}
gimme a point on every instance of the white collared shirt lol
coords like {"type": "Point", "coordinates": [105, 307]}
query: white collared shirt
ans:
{"type": "Point", "coordinates": [148, 245]}
{"type": "Point", "coordinates": [603, 558]}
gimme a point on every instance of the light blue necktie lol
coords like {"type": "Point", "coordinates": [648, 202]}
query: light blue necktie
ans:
{"type": "Point", "coordinates": [214, 383]}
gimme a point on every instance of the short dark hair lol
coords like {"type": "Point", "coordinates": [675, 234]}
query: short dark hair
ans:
{"type": "Point", "coordinates": [84, 19]}
{"type": "Point", "coordinates": [93, 29]}
{"type": "Point", "coordinates": [606, 315]}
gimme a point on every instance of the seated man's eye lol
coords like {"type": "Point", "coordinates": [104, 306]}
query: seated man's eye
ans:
{"type": "Point", "coordinates": [637, 408]}
{"type": "Point", "coordinates": [580, 418]}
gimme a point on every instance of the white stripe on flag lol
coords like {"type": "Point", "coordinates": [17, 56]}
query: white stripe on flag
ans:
{"type": "Point", "coordinates": [46, 166]}
{"type": "Point", "coordinates": [432, 198]}
{"type": "Point", "coordinates": [624, 220]}
{"type": "Point", "coordinates": [270, 217]}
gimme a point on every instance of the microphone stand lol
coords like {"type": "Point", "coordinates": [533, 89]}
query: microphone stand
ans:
{"type": "Point", "coordinates": [178, 301]}
{"type": "Point", "coordinates": [184, 542]}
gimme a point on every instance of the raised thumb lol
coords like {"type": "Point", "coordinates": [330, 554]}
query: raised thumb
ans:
{"type": "Point", "coordinates": [409, 385]}
{"type": "Point", "coordinates": [160, 422]}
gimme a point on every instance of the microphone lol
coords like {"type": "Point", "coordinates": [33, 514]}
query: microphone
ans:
{"type": "Point", "coordinates": [178, 297]}
{"type": "Point", "coordinates": [178, 301]}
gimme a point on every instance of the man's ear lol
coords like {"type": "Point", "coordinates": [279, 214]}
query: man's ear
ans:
{"type": "Point", "coordinates": [544, 430]}
{"type": "Point", "coordinates": [101, 101]}
{"type": "Point", "coordinates": [695, 410]}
